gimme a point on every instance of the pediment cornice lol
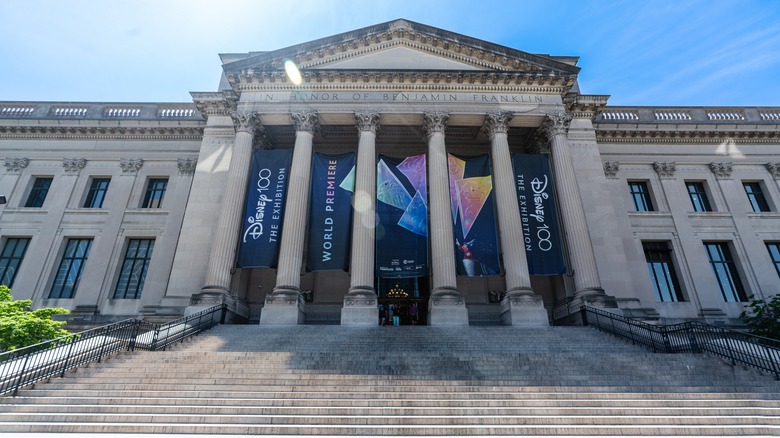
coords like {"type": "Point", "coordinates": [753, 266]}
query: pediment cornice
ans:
{"type": "Point", "coordinates": [54, 132]}
{"type": "Point", "coordinates": [315, 56]}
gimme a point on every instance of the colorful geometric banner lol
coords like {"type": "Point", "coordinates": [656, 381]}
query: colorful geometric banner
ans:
{"type": "Point", "coordinates": [261, 232]}
{"type": "Point", "coordinates": [402, 209]}
{"type": "Point", "coordinates": [473, 216]}
{"type": "Point", "coordinates": [538, 213]}
{"type": "Point", "coordinates": [330, 212]}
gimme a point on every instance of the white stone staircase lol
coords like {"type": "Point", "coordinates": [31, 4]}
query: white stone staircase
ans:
{"type": "Point", "coordinates": [414, 381]}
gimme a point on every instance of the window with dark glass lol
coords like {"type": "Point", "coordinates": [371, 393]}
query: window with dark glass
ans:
{"type": "Point", "coordinates": [756, 196]}
{"type": "Point", "coordinates": [661, 266]}
{"type": "Point", "coordinates": [38, 193]}
{"type": "Point", "coordinates": [725, 270]}
{"type": "Point", "coordinates": [69, 272]}
{"type": "Point", "coordinates": [774, 253]}
{"type": "Point", "coordinates": [641, 196]}
{"type": "Point", "coordinates": [698, 196]}
{"type": "Point", "coordinates": [134, 268]}
{"type": "Point", "coordinates": [11, 258]}
{"type": "Point", "coordinates": [97, 193]}
{"type": "Point", "coordinates": [155, 192]}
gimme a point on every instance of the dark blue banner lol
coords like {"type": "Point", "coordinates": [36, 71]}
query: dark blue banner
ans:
{"type": "Point", "coordinates": [330, 212]}
{"type": "Point", "coordinates": [261, 231]}
{"type": "Point", "coordinates": [536, 198]}
{"type": "Point", "coordinates": [402, 209]}
{"type": "Point", "coordinates": [473, 215]}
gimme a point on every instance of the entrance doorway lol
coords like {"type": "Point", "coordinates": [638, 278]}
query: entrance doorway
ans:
{"type": "Point", "coordinates": [403, 301]}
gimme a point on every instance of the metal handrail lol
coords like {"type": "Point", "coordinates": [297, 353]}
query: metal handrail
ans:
{"type": "Point", "coordinates": [694, 337]}
{"type": "Point", "coordinates": [25, 366]}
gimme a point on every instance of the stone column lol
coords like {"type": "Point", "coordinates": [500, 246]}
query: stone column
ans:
{"type": "Point", "coordinates": [520, 305]}
{"type": "Point", "coordinates": [222, 256]}
{"type": "Point", "coordinates": [284, 306]}
{"type": "Point", "coordinates": [360, 303]}
{"type": "Point", "coordinates": [446, 306]}
{"type": "Point", "coordinates": [581, 255]}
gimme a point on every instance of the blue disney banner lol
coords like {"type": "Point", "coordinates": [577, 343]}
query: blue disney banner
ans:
{"type": "Point", "coordinates": [261, 232]}
{"type": "Point", "coordinates": [330, 212]}
{"type": "Point", "coordinates": [538, 212]}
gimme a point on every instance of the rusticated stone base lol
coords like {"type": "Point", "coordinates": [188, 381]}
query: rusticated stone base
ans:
{"type": "Point", "coordinates": [447, 308]}
{"type": "Point", "coordinates": [283, 307]}
{"type": "Point", "coordinates": [360, 308]}
{"type": "Point", "coordinates": [524, 309]}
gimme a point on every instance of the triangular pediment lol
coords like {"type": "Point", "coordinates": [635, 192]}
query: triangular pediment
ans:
{"type": "Point", "coordinates": [401, 45]}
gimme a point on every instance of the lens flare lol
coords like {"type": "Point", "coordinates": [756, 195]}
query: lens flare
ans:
{"type": "Point", "coordinates": [293, 74]}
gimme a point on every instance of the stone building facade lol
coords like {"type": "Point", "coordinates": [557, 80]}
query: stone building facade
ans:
{"type": "Point", "coordinates": [117, 210]}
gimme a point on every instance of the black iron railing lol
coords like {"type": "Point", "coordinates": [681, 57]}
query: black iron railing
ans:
{"type": "Point", "coordinates": [25, 366]}
{"type": "Point", "coordinates": [693, 337]}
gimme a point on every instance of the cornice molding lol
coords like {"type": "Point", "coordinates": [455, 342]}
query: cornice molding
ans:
{"type": "Point", "coordinates": [585, 106]}
{"type": "Point", "coordinates": [216, 103]}
{"type": "Point", "coordinates": [686, 137]}
{"type": "Point", "coordinates": [102, 132]}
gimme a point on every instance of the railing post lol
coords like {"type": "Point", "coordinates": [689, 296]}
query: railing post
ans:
{"type": "Point", "coordinates": [667, 344]}
{"type": "Point", "coordinates": [134, 335]}
{"type": "Point", "coordinates": [21, 375]}
{"type": "Point", "coordinates": [67, 359]}
{"type": "Point", "coordinates": [631, 332]}
{"type": "Point", "coordinates": [103, 345]}
{"type": "Point", "coordinates": [693, 340]}
{"type": "Point", "coordinates": [153, 345]}
{"type": "Point", "coordinates": [583, 315]}
{"type": "Point", "coordinates": [223, 314]}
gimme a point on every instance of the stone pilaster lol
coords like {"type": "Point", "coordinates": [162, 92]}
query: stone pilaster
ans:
{"type": "Point", "coordinates": [446, 306]}
{"type": "Point", "coordinates": [520, 305]}
{"type": "Point", "coordinates": [360, 303]}
{"type": "Point", "coordinates": [285, 306]}
{"type": "Point", "coordinates": [222, 256]}
{"type": "Point", "coordinates": [582, 258]}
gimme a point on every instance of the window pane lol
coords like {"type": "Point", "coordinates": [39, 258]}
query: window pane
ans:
{"type": "Point", "coordinates": [97, 193]}
{"type": "Point", "coordinates": [71, 266]}
{"type": "Point", "coordinates": [698, 196]}
{"type": "Point", "coordinates": [774, 254]}
{"type": "Point", "coordinates": [38, 193]}
{"type": "Point", "coordinates": [725, 270]}
{"type": "Point", "coordinates": [11, 259]}
{"type": "Point", "coordinates": [756, 197]}
{"type": "Point", "coordinates": [640, 195]}
{"type": "Point", "coordinates": [662, 274]}
{"type": "Point", "coordinates": [155, 192]}
{"type": "Point", "coordinates": [134, 268]}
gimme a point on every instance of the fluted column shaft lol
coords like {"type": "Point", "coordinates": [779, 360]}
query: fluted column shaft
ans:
{"type": "Point", "coordinates": [515, 261]}
{"type": "Point", "coordinates": [296, 210]}
{"type": "Point", "coordinates": [442, 238]}
{"type": "Point", "coordinates": [222, 256]}
{"type": "Point", "coordinates": [364, 220]}
{"type": "Point", "coordinates": [583, 260]}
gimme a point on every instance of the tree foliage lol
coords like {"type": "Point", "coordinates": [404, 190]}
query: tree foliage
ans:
{"type": "Point", "coordinates": [762, 317]}
{"type": "Point", "coordinates": [20, 326]}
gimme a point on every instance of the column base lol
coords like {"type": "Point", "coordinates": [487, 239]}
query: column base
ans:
{"type": "Point", "coordinates": [237, 309]}
{"type": "Point", "coordinates": [523, 308]}
{"type": "Point", "coordinates": [360, 308]}
{"type": "Point", "coordinates": [284, 306]}
{"type": "Point", "coordinates": [447, 308]}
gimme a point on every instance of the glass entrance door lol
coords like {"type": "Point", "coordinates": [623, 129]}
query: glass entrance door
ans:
{"type": "Point", "coordinates": [403, 301]}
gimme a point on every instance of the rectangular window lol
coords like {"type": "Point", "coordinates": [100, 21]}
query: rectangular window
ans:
{"type": "Point", "coordinates": [756, 196]}
{"type": "Point", "coordinates": [661, 266]}
{"type": "Point", "coordinates": [725, 271]}
{"type": "Point", "coordinates": [641, 196]}
{"type": "Point", "coordinates": [698, 196]}
{"type": "Point", "coordinates": [72, 264]}
{"type": "Point", "coordinates": [155, 192]}
{"type": "Point", "coordinates": [134, 268]}
{"type": "Point", "coordinates": [11, 258]}
{"type": "Point", "coordinates": [38, 193]}
{"type": "Point", "coordinates": [97, 193]}
{"type": "Point", "coordinates": [774, 254]}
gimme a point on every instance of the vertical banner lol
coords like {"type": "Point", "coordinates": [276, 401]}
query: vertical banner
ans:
{"type": "Point", "coordinates": [402, 209]}
{"type": "Point", "coordinates": [330, 212]}
{"type": "Point", "coordinates": [261, 232]}
{"type": "Point", "coordinates": [473, 215]}
{"type": "Point", "coordinates": [536, 199]}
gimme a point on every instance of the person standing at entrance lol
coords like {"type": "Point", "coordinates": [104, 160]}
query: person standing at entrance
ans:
{"type": "Point", "coordinates": [394, 315]}
{"type": "Point", "coordinates": [413, 312]}
{"type": "Point", "coordinates": [382, 314]}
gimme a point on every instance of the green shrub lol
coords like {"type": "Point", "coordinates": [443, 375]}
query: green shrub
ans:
{"type": "Point", "coordinates": [21, 327]}
{"type": "Point", "coordinates": [763, 317]}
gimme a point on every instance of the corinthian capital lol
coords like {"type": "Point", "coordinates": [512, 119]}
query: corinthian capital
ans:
{"type": "Point", "coordinates": [306, 121]}
{"type": "Point", "coordinates": [435, 122]}
{"type": "Point", "coordinates": [556, 123]}
{"type": "Point", "coordinates": [496, 123]}
{"type": "Point", "coordinates": [15, 165]}
{"type": "Point", "coordinates": [245, 121]}
{"type": "Point", "coordinates": [367, 121]}
{"type": "Point", "coordinates": [73, 165]}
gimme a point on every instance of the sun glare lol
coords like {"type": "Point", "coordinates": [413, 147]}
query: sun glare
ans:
{"type": "Point", "coordinates": [293, 74]}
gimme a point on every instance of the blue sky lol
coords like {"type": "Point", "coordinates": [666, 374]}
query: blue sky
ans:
{"type": "Point", "coordinates": [651, 52]}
